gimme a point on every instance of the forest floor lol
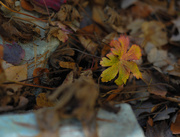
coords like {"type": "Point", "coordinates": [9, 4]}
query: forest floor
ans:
{"type": "Point", "coordinates": [78, 56]}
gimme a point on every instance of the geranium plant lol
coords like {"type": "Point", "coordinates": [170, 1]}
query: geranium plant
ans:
{"type": "Point", "coordinates": [120, 61]}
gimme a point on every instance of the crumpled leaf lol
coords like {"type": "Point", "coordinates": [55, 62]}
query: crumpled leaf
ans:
{"type": "Point", "coordinates": [116, 21]}
{"type": "Point", "coordinates": [88, 44]}
{"type": "Point", "coordinates": [120, 61]}
{"type": "Point", "coordinates": [58, 33]}
{"type": "Point", "coordinates": [13, 30]}
{"type": "Point", "coordinates": [64, 53]}
{"type": "Point", "coordinates": [154, 33]}
{"type": "Point", "coordinates": [68, 13]}
{"type": "Point", "coordinates": [164, 114]}
{"type": "Point", "coordinates": [13, 53]}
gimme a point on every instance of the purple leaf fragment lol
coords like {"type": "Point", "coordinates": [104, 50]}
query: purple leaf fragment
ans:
{"type": "Point", "coordinates": [13, 53]}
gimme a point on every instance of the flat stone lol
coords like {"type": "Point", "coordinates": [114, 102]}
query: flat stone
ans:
{"type": "Point", "coordinates": [122, 124]}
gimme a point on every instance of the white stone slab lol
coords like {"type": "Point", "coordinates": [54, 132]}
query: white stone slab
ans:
{"type": "Point", "coordinates": [123, 124]}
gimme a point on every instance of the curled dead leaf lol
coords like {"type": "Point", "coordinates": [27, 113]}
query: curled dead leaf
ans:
{"type": "Point", "coordinates": [68, 13]}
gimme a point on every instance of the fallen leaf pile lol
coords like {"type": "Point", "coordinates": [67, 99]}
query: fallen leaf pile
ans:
{"type": "Point", "coordinates": [108, 52]}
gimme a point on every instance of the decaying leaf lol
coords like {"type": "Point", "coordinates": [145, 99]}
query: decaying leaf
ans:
{"type": "Point", "coordinates": [92, 29]}
{"type": "Point", "coordinates": [58, 33]}
{"type": "Point", "coordinates": [88, 44]}
{"type": "Point", "coordinates": [116, 21]}
{"type": "Point", "coordinates": [135, 26]}
{"type": "Point", "coordinates": [62, 53]}
{"type": "Point", "coordinates": [68, 13]}
{"type": "Point", "coordinates": [158, 57]}
{"type": "Point", "coordinates": [26, 5]}
{"type": "Point", "coordinates": [154, 32]}
{"type": "Point", "coordinates": [13, 30]}
{"type": "Point", "coordinates": [113, 17]}
{"type": "Point", "coordinates": [42, 101]}
{"type": "Point", "coordinates": [78, 101]}
{"type": "Point", "coordinates": [151, 79]}
{"type": "Point", "coordinates": [13, 53]}
{"type": "Point", "coordinates": [120, 61]}
{"type": "Point", "coordinates": [114, 93]}
{"type": "Point", "coordinates": [16, 73]}
{"type": "Point", "coordinates": [69, 65]}
{"type": "Point", "coordinates": [40, 5]}
{"type": "Point", "coordinates": [175, 71]}
{"type": "Point", "coordinates": [38, 73]}
{"type": "Point", "coordinates": [142, 10]}
{"type": "Point", "coordinates": [165, 114]}
{"type": "Point", "coordinates": [175, 127]}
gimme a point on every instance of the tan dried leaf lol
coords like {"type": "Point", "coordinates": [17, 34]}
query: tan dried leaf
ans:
{"type": "Point", "coordinates": [16, 73]}
{"type": "Point", "coordinates": [88, 44]}
{"type": "Point", "coordinates": [154, 32]}
{"type": "Point", "coordinates": [68, 13]}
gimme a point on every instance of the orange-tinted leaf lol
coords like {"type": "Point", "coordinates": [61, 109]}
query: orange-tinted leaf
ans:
{"type": "Point", "coordinates": [70, 65]}
{"type": "Point", "coordinates": [38, 72]}
{"type": "Point", "coordinates": [119, 61]}
{"type": "Point", "coordinates": [42, 101]}
{"type": "Point", "coordinates": [134, 53]}
{"type": "Point", "coordinates": [114, 93]}
{"type": "Point", "coordinates": [150, 121]}
{"type": "Point", "coordinates": [117, 49]}
{"type": "Point", "coordinates": [26, 5]}
{"type": "Point", "coordinates": [124, 41]}
{"type": "Point", "coordinates": [175, 127]}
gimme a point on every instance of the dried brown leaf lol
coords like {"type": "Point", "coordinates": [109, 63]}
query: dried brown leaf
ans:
{"type": "Point", "coordinates": [175, 127]}
{"type": "Point", "coordinates": [68, 13]}
{"type": "Point", "coordinates": [16, 73]}
{"type": "Point", "coordinates": [77, 99]}
{"type": "Point", "coordinates": [42, 101]}
{"type": "Point", "coordinates": [13, 30]}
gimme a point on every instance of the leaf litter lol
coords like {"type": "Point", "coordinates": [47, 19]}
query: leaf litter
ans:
{"type": "Point", "coordinates": [135, 40]}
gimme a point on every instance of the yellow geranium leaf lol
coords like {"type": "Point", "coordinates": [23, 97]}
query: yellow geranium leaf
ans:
{"type": "Point", "coordinates": [120, 61]}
